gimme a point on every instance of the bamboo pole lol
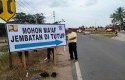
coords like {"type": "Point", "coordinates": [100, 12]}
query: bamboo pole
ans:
{"type": "Point", "coordinates": [24, 60]}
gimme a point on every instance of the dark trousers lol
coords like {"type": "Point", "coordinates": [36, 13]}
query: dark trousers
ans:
{"type": "Point", "coordinates": [73, 50]}
{"type": "Point", "coordinates": [49, 51]}
{"type": "Point", "coordinates": [26, 55]}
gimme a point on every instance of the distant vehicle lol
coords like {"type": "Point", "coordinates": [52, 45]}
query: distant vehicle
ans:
{"type": "Point", "coordinates": [83, 33]}
{"type": "Point", "coordinates": [86, 32]}
{"type": "Point", "coordinates": [108, 30]}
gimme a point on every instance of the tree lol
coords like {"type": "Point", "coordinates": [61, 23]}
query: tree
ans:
{"type": "Point", "coordinates": [20, 17]}
{"type": "Point", "coordinates": [40, 18]}
{"type": "Point", "coordinates": [118, 16]}
{"type": "Point", "coordinates": [124, 25]}
{"type": "Point", "coordinates": [32, 19]}
{"type": "Point", "coordinates": [114, 20]}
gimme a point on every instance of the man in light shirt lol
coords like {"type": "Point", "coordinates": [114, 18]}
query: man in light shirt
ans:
{"type": "Point", "coordinates": [72, 39]}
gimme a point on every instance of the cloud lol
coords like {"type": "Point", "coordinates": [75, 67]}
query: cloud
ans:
{"type": "Point", "coordinates": [58, 3]}
{"type": "Point", "coordinates": [90, 2]}
{"type": "Point", "coordinates": [74, 12]}
{"type": "Point", "coordinates": [82, 3]}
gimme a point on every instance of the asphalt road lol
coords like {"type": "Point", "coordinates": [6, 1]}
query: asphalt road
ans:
{"type": "Point", "coordinates": [101, 58]}
{"type": "Point", "coordinates": [122, 32]}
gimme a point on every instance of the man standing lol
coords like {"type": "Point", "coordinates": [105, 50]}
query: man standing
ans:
{"type": "Point", "coordinates": [20, 54]}
{"type": "Point", "coordinates": [49, 52]}
{"type": "Point", "coordinates": [72, 39]}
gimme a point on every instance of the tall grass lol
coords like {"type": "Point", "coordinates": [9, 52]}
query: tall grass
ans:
{"type": "Point", "coordinates": [105, 34]}
{"type": "Point", "coordinates": [4, 59]}
{"type": "Point", "coordinates": [4, 62]}
{"type": "Point", "coordinates": [4, 48]}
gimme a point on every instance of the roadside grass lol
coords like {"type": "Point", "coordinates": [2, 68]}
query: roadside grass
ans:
{"type": "Point", "coordinates": [35, 65]}
{"type": "Point", "coordinates": [105, 34]}
{"type": "Point", "coordinates": [3, 62]}
{"type": "Point", "coordinates": [4, 48]}
{"type": "Point", "coordinates": [3, 39]}
{"type": "Point", "coordinates": [3, 58]}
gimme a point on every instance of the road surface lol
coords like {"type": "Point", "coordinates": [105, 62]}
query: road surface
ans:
{"type": "Point", "coordinates": [122, 32]}
{"type": "Point", "coordinates": [101, 58]}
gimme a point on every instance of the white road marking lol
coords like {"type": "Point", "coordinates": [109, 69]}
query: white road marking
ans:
{"type": "Point", "coordinates": [78, 72]}
{"type": "Point", "coordinates": [64, 48]}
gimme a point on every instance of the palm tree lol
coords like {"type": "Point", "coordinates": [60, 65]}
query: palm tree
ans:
{"type": "Point", "coordinates": [114, 20]}
{"type": "Point", "coordinates": [118, 16]}
{"type": "Point", "coordinates": [124, 25]}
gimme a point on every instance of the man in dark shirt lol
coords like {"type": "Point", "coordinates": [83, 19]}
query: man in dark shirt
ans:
{"type": "Point", "coordinates": [49, 52]}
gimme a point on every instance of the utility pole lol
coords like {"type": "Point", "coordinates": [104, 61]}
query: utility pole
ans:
{"type": "Point", "coordinates": [54, 15]}
{"type": "Point", "coordinates": [36, 18]}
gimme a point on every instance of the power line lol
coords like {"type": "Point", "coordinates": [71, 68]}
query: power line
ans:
{"type": "Point", "coordinates": [29, 5]}
{"type": "Point", "coordinates": [24, 5]}
{"type": "Point", "coordinates": [21, 7]}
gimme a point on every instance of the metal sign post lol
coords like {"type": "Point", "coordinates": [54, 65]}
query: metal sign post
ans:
{"type": "Point", "coordinates": [10, 60]}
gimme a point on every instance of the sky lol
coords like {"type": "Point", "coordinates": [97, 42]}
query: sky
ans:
{"type": "Point", "coordinates": [75, 13]}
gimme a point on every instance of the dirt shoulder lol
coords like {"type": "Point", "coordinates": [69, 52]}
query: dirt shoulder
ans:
{"type": "Point", "coordinates": [120, 37]}
{"type": "Point", "coordinates": [63, 67]}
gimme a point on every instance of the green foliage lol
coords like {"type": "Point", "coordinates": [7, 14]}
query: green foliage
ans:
{"type": "Point", "coordinates": [28, 18]}
{"type": "Point", "coordinates": [82, 26]}
{"type": "Point", "coordinates": [118, 17]}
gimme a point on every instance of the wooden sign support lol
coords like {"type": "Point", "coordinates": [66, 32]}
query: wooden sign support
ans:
{"type": "Point", "coordinates": [10, 60]}
{"type": "Point", "coordinates": [24, 60]}
{"type": "Point", "coordinates": [55, 56]}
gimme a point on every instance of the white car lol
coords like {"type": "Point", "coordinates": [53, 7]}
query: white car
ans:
{"type": "Point", "coordinates": [86, 32]}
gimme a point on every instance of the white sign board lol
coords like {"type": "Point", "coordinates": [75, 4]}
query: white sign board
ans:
{"type": "Point", "coordinates": [34, 36]}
